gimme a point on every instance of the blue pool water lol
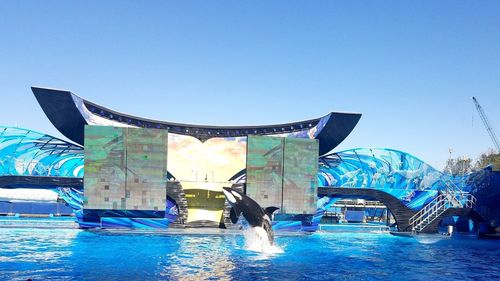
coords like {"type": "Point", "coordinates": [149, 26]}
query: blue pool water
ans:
{"type": "Point", "coordinates": [72, 254]}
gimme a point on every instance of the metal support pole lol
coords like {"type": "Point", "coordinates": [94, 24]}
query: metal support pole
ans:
{"type": "Point", "coordinates": [387, 220]}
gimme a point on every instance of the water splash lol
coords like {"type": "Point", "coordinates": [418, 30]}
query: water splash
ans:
{"type": "Point", "coordinates": [256, 240]}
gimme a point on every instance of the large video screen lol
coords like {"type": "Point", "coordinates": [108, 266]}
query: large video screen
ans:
{"type": "Point", "coordinates": [105, 168]}
{"type": "Point", "coordinates": [265, 170]}
{"type": "Point", "coordinates": [147, 154]}
{"type": "Point", "coordinates": [300, 183]}
{"type": "Point", "coordinates": [203, 168]}
{"type": "Point", "coordinates": [281, 172]}
{"type": "Point", "coordinates": [215, 160]}
{"type": "Point", "coordinates": [125, 168]}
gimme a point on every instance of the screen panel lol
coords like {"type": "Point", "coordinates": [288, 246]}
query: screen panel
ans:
{"type": "Point", "coordinates": [215, 160]}
{"type": "Point", "coordinates": [300, 183]}
{"type": "Point", "coordinates": [105, 168]}
{"type": "Point", "coordinates": [203, 168]}
{"type": "Point", "coordinates": [265, 170]}
{"type": "Point", "coordinates": [125, 168]}
{"type": "Point", "coordinates": [146, 169]}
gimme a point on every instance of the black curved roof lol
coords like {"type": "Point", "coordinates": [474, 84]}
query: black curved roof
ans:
{"type": "Point", "coordinates": [70, 113]}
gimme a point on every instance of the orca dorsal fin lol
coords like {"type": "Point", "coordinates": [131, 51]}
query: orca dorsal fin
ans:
{"type": "Point", "coordinates": [234, 215]}
{"type": "Point", "coordinates": [269, 211]}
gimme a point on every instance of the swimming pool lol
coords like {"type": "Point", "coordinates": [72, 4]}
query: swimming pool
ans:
{"type": "Point", "coordinates": [72, 254]}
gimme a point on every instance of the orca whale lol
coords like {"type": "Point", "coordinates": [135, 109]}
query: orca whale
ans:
{"type": "Point", "coordinates": [253, 213]}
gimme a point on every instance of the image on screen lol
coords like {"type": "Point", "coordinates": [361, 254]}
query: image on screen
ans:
{"type": "Point", "coordinates": [202, 169]}
{"type": "Point", "coordinates": [281, 172]}
{"type": "Point", "coordinates": [125, 168]}
{"type": "Point", "coordinates": [265, 170]}
{"type": "Point", "coordinates": [105, 168]}
{"type": "Point", "coordinates": [300, 182]}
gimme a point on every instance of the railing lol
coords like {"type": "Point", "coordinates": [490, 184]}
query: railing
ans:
{"type": "Point", "coordinates": [454, 194]}
{"type": "Point", "coordinates": [470, 201]}
{"type": "Point", "coordinates": [450, 197]}
{"type": "Point", "coordinates": [430, 211]}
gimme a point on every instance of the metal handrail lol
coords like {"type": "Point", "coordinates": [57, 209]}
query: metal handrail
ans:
{"type": "Point", "coordinates": [453, 190]}
{"type": "Point", "coordinates": [431, 206]}
{"type": "Point", "coordinates": [450, 197]}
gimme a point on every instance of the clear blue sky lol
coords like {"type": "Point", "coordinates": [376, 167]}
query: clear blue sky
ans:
{"type": "Point", "coordinates": [410, 67]}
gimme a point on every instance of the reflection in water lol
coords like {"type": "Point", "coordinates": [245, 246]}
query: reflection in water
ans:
{"type": "Point", "coordinates": [35, 253]}
{"type": "Point", "coordinates": [69, 254]}
{"type": "Point", "coordinates": [200, 258]}
{"type": "Point", "coordinates": [430, 239]}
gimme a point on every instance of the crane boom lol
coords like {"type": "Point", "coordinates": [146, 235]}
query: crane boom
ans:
{"type": "Point", "coordinates": [487, 124]}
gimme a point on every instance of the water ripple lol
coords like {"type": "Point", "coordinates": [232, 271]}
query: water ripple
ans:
{"type": "Point", "coordinates": [70, 254]}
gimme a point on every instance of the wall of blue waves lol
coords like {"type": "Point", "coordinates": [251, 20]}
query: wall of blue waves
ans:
{"type": "Point", "coordinates": [414, 182]}
{"type": "Point", "coordinates": [400, 174]}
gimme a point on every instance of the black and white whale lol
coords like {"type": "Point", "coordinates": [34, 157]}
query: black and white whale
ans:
{"type": "Point", "coordinates": [253, 213]}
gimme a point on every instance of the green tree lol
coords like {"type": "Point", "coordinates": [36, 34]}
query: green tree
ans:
{"type": "Point", "coordinates": [488, 158]}
{"type": "Point", "coordinates": [458, 166]}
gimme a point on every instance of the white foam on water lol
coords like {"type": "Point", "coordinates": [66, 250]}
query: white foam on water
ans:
{"type": "Point", "coordinates": [430, 239]}
{"type": "Point", "coordinates": [256, 240]}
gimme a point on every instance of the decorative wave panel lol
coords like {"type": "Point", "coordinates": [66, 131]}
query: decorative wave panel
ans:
{"type": "Point", "coordinates": [29, 153]}
{"type": "Point", "coordinates": [400, 174]}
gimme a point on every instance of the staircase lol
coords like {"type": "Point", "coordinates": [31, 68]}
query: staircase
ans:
{"type": "Point", "coordinates": [450, 197]}
{"type": "Point", "coordinates": [176, 192]}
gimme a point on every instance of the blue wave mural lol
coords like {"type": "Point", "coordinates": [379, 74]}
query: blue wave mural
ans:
{"type": "Point", "coordinates": [30, 153]}
{"type": "Point", "coordinates": [398, 173]}
{"type": "Point", "coordinates": [26, 152]}
{"type": "Point", "coordinates": [414, 182]}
